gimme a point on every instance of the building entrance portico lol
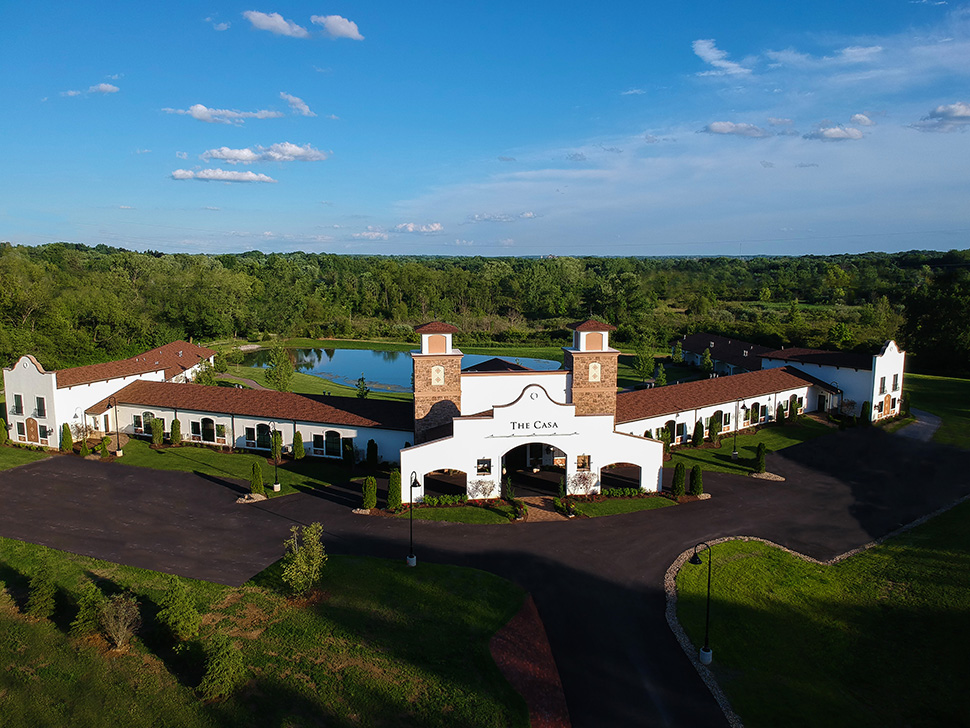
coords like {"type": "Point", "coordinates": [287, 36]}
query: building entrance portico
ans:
{"type": "Point", "coordinates": [535, 468]}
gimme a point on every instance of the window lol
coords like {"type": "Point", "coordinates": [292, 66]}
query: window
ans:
{"type": "Point", "coordinates": [106, 423]}
{"type": "Point", "coordinates": [42, 431]}
{"type": "Point", "coordinates": [882, 385]}
{"type": "Point", "coordinates": [894, 404]}
{"type": "Point", "coordinates": [727, 420]}
{"type": "Point", "coordinates": [250, 437]}
{"type": "Point", "coordinates": [332, 444]}
{"type": "Point", "coordinates": [263, 436]}
{"type": "Point", "coordinates": [484, 467]}
{"type": "Point", "coordinates": [318, 443]}
{"type": "Point", "coordinates": [18, 405]}
{"type": "Point", "coordinates": [895, 383]}
{"type": "Point", "coordinates": [147, 418]}
{"type": "Point", "coordinates": [582, 462]}
{"type": "Point", "coordinates": [41, 407]}
{"type": "Point", "coordinates": [196, 429]}
{"type": "Point", "coordinates": [208, 430]}
{"type": "Point", "coordinates": [136, 423]}
{"type": "Point", "coordinates": [20, 429]}
{"type": "Point", "coordinates": [801, 403]}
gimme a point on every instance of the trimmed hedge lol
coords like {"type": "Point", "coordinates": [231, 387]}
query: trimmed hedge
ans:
{"type": "Point", "coordinates": [680, 474]}
{"type": "Point", "coordinates": [437, 501]}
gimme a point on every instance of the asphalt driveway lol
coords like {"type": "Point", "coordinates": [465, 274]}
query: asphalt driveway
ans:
{"type": "Point", "coordinates": [598, 583]}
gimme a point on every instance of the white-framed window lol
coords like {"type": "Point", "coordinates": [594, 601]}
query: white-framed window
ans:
{"type": "Point", "coordinates": [21, 430]}
{"type": "Point", "coordinates": [882, 385]}
{"type": "Point", "coordinates": [332, 444]}
{"type": "Point", "coordinates": [18, 405]}
{"type": "Point", "coordinates": [895, 382]}
{"type": "Point", "coordinates": [727, 420]}
{"type": "Point", "coordinates": [41, 407]}
{"type": "Point", "coordinates": [136, 422]}
{"type": "Point", "coordinates": [250, 437]}
{"type": "Point", "coordinates": [484, 466]}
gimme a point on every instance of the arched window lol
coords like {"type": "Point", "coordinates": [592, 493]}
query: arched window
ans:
{"type": "Point", "coordinates": [332, 444]}
{"type": "Point", "coordinates": [262, 436]}
{"type": "Point", "coordinates": [208, 430]}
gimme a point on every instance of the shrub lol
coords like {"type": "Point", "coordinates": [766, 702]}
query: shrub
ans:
{"type": "Point", "coordinates": [714, 429]}
{"type": "Point", "coordinates": [158, 430]}
{"type": "Point", "coordinates": [120, 619]}
{"type": "Point", "coordinates": [371, 454]}
{"type": "Point", "coordinates": [433, 501]}
{"type": "Point", "coordinates": [680, 472]}
{"type": "Point", "coordinates": [762, 450]}
{"type": "Point", "coordinates": [41, 601]}
{"type": "Point", "coordinates": [665, 439]}
{"type": "Point", "coordinates": [178, 614]}
{"type": "Point", "coordinates": [866, 417]}
{"type": "Point", "coordinates": [256, 480]}
{"type": "Point", "coordinates": [698, 436]}
{"type": "Point", "coordinates": [394, 490]}
{"type": "Point", "coordinates": [903, 405]}
{"type": "Point", "coordinates": [176, 432]}
{"type": "Point", "coordinates": [299, 452]}
{"type": "Point", "coordinates": [276, 447]}
{"type": "Point", "coordinates": [103, 447]}
{"type": "Point", "coordinates": [224, 668]}
{"type": "Point", "coordinates": [67, 442]}
{"type": "Point", "coordinates": [622, 492]}
{"type": "Point", "coordinates": [509, 490]}
{"type": "Point", "coordinates": [780, 414]}
{"type": "Point", "coordinates": [370, 492]}
{"type": "Point", "coordinates": [348, 451]}
{"type": "Point", "coordinates": [303, 561]}
{"type": "Point", "coordinates": [696, 480]}
{"type": "Point", "coordinates": [89, 607]}
{"type": "Point", "coordinates": [85, 450]}
{"type": "Point", "coordinates": [661, 379]}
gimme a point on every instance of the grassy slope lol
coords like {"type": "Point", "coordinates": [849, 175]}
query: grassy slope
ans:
{"type": "Point", "coordinates": [387, 645]}
{"type": "Point", "coordinates": [462, 514]}
{"type": "Point", "coordinates": [616, 506]}
{"type": "Point", "coordinates": [310, 384]}
{"type": "Point", "coordinates": [877, 640]}
{"type": "Point", "coordinates": [948, 398]}
{"type": "Point", "coordinates": [11, 457]}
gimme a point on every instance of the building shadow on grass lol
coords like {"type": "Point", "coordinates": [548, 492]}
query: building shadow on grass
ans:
{"type": "Point", "coordinates": [235, 487]}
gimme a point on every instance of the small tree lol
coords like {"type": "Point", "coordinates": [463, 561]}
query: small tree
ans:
{"type": "Point", "coordinates": [67, 442]}
{"type": "Point", "coordinates": [276, 446]}
{"type": "Point", "coordinates": [158, 431]}
{"type": "Point", "coordinates": [175, 435]}
{"type": "Point", "coordinates": [696, 480]}
{"type": "Point", "coordinates": [394, 490]}
{"type": "Point", "coordinates": [370, 492]}
{"type": "Point", "coordinates": [120, 619]}
{"type": "Point", "coordinates": [256, 480]}
{"type": "Point", "coordinates": [698, 436]}
{"type": "Point", "coordinates": [103, 447]}
{"type": "Point", "coordinates": [680, 472]}
{"type": "Point", "coordinates": [362, 389]}
{"type": "Point", "coordinates": [762, 450]}
{"type": "Point", "coordinates": [280, 370]}
{"type": "Point", "coordinates": [178, 614]}
{"type": "Point", "coordinates": [304, 559]}
{"type": "Point", "coordinates": [643, 363]}
{"type": "Point", "coordinates": [714, 429]}
{"type": "Point", "coordinates": [665, 439]}
{"type": "Point", "coordinates": [866, 416]}
{"type": "Point", "coordinates": [5, 435]}
{"type": "Point", "coordinates": [89, 606]}
{"type": "Point", "coordinates": [85, 450]}
{"type": "Point", "coordinates": [792, 411]}
{"type": "Point", "coordinates": [678, 355]}
{"type": "Point", "coordinates": [707, 364]}
{"type": "Point", "coordinates": [372, 454]}
{"type": "Point", "coordinates": [224, 668]}
{"type": "Point", "coordinates": [205, 375]}
{"type": "Point", "coordinates": [903, 404]}
{"type": "Point", "coordinates": [661, 379]}
{"type": "Point", "coordinates": [780, 414]}
{"type": "Point", "coordinates": [299, 452]}
{"type": "Point", "coordinates": [41, 601]}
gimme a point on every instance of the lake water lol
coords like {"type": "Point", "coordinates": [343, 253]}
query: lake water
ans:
{"type": "Point", "coordinates": [384, 371]}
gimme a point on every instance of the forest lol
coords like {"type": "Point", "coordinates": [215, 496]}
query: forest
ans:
{"type": "Point", "coordinates": [71, 304]}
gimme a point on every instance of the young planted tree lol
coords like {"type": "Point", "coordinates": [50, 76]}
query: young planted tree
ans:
{"type": "Point", "coordinates": [224, 668]}
{"type": "Point", "coordinates": [698, 436]}
{"type": "Point", "coordinates": [696, 480]}
{"type": "Point", "coordinates": [665, 439]}
{"type": "Point", "coordinates": [41, 600]}
{"type": "Point", "coordinates": [85, 450]}
{"type": "Point", "coordinates": [643, 363]}
{"type": "Point", "coordinates": [680, 472]}
{"type": "Point", "coordinates": [120, 619]}
{"type": "Point", "coordinates": [280, 370]}
{"type": "Point", "coordinates": [678, 355]}
{"type": "Point", "coordinates": [661, 379]}
{"type": "Point", "coordinates": [5, 435]}
{"type": "Point", "coordinates": [780, 414]}
{"type": "Point", "coordinates": [276, 447]}
{"type": "Point", "coordinates": [158, 431]}
{"type": "Point", "coordinates": [175, 435]}
{"type": "Point", "coordinates": [714, 430]}
{"type": "Point", "coordinates": [347, 446]}
{"type": "Point", "coordinates": [89, 606]}
{"type": "Point", "coordinates": [304, 559]}
{"type": "Point", "coordinates": [372, 458]}
{"type": "Point", "coordinates": [866, 416]}
{"type": "Point", "coordinates": [205, 375]}
{"type": "Point", "coordinates": [256, 480]}
{"type": "Point", "coordinates": [370, 492]}
{"type": "Point", "coordinates": [299, 451]}
{"type": "Point", "coordinates": [103, 447]}
{"type": "Point", "coordinates": [394, 490]}
{"type": "Point", "coordinates": [707, 364]}
{"type": "Point", "coordinates": [67, 442]}
{"type": "Point", "coordinates": [762, 451]}
{"type": "Point", "coordinates": [362, 389]}
{"type": "Point", "coordinates": [178, 614]}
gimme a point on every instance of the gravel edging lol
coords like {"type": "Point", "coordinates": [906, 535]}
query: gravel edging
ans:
{"type": "Point", "coordinates": [670, 588]}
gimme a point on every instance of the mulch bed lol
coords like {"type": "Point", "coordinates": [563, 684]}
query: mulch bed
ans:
{"type": "Point", "coordinates": [521, 651]}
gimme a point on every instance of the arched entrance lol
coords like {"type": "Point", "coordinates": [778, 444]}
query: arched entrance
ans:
{"type": "Point", "coordinates": [620, 475]}
{"type": "Point", "coordinates": [445, 482]}
{"type": "Point", "coordinates": [535, 468]}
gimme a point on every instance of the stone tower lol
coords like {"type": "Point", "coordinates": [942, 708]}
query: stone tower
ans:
{"type": "Point", "coordinates": [437, 379]}
{"type": "Point", "coordinates": [593, 365]}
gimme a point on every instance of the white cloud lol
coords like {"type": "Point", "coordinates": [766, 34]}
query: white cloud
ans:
{"type": "Point", "coordinates": [632, 92]}
{"type": "Point", "coordinates": [182, 155]}
{"type": "Point", "coordinates": [861, 120]}
{"type": "Point", "coordinates": [221, 26]}
{"type": "Point", "coordinates": [576, 157]}
{"type": "Point", "coordinates": [212, 209]}
{"type": "Point", "coordinates": [834, 134]}
{"type": "Point", "coordinates": [220, 175]}
{"type": "Point", "coordinates": [712, 55]}
{"type": "Point", "coordinates": [506, 159]}
{"type": "Point", "coordinates": [946, 118]}
{"type": "Point", "coordinates": [843, 56]}
{"type": "Point", "coordinates": [125, 207]}
{"type": "Point", "coordinates": [275, 23]}
{"type": "Point", "coordinates": [766, 164]}
{"type": "Point", "coordinates": [70, 93]}
{"type": "Point", "coordinates": [729, 127]}
{"type": "Point", "coordinates": [297, 105]}
{"type": "Point", "coordinates": [337, 27]}
{"type": "Point", "coordinates": [143, 151]}
{"type": "Point", "coordinates": [223, 116]}
{"type": "Point", "coordinates": [411, 227]}
{"type": "Point", "coordinates": [461, 242]}
{"type": "Point", "coordinates": [332, 117]}
{"type": "Point", "coordinates": [103, 88]}
{"type": "Point", "coordinates": [527, 215]}
{"type": "Point", "coordinates": [488, 217]}
{"type": "Point", "coordinates": [777, 121]}
{"type": "Point", "coordinates": [370, 235]}
{"type": "Point", "coordinates": [279, 152]}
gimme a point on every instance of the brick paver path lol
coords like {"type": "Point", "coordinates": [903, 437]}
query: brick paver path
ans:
{"type": "Point", "coordinates": [541, 509]}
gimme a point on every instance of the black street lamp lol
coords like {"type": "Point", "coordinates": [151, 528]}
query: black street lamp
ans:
{"type": "Point", "coordinates": [412, 559]}
{"type": "Point", "coordinates": [706, 654]}
{"type": "Point", "coordinates": [272, 450]}
{"type": "Point", "coordinates": [734, 455]}
{"type": "Point", "coordinates": [118, 450]}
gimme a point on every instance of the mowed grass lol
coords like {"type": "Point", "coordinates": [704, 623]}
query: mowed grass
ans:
{"type": "Point", "coordinates": [462, 514]}
{"type": "Point", "coordinates": [295, 475]}
{"type": "Point", "coordinates": [617, 506]}
{"type": "Point", "coordinates": [877, 640]}
{"type": "Point", "coordinates": [309, 384]}
{"type": "Point", "coordinates": [11, 457]}
{"type": "Point", "coordinates": [775, 437]}
{"type": "Point", "coordinates": [381, 645]}
{"type": "Point", "coordinates": [946, 397]}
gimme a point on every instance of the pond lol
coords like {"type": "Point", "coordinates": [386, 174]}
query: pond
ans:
{"type": "Point", "coordinates": [384, 371]}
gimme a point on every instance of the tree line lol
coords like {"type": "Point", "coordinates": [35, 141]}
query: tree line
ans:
{"type": "Point", "coordinates": [72, 304]}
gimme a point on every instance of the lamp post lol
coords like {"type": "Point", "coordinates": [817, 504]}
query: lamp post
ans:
{"type": "Point", "coordinates": [734, 454]}
{"type": "Point", "coordinates": [118, 451]}
{"type": "Point", "coordinates": [706, 655]}
{"type": "Point", "coordinates": [276, 473]}
{"type": "Point", "coordinates": [412, 559]}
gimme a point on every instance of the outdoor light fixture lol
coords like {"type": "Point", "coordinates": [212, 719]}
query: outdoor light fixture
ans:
{"type": "Point", "coordinates": [276, 473]}
{"type": "Point", "coordinates": [706, 655]}
{"type": "Point", "coordinates": [118, 451]}
{"type": "Point", "coordinates": [737, 424]}
{"type": "Point", "coordinates": [412, 559]}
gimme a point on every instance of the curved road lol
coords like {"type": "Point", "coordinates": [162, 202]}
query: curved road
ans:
{"type": "Point", "coordinates": [598, 583]}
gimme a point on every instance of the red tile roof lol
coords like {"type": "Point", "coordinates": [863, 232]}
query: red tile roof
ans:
{"type": "Point", "coordinates": [644, 403]}
{"type": "Point", "coordinates": [735, 352]}
{"type": "Point", "coordinates": [436, 327]}
{"type": "Point", "coordinates": [496, 365]}
{"type": "Point", "coordinates": [174, 358]}
{"type": "Point", "coordinates": [591, 325]}
{"type": "Point", "coordinates": [845, 359]}
{"type": "Point", "coordinates": [265, 403]}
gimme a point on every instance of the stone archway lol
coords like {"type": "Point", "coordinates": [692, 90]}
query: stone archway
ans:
{"type": "Point", "coordinates": [445, 482]}
{"type": "Point", "coordinates": [620, 475]}
{"type": "Point", "coordinates": [535, 468]}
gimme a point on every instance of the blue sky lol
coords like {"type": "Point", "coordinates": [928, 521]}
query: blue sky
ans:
{"type": "Point", "coordinates": [637, 128]}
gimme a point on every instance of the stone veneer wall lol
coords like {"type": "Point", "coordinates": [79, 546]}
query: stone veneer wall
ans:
{"type": "Point", "coordinates": [593, 398]}
{"type": "Point", "coordinates": [435, 405]}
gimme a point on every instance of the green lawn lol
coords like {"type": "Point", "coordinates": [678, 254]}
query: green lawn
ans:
{"type": "Point", "coordinates": [294, 475]}
{"type": "Point", "coordinates": [309, 384]}
{"type": "Point", "coordinates": [616, 506]}
{"type": "Point", "coordinates": [946, 397]}
{"type": "Point", "coordinates": [775, 437]}
{"type": "Point", "coordinates": [386, 645]}
{"type": "Point", "coordinates": [878, 640]}
{"type": "Point", "coordinates": [462, 514]}
{"type": "Point", "coordinates": [11, 457]}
